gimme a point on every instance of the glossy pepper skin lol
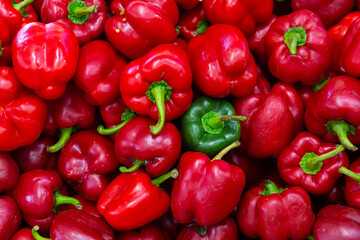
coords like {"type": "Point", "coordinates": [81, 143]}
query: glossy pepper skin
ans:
{"type": "Point", "coordinates": [272, 121]}
{"type": "Point", "coordinates": [337, 222]}
{"type": "Point", "coordinates": [352, 185]}
{"type": "Point", "coordinates": [45, 57]}
{"type": "Point", "coordinates": [210, 125]}
{"type": "Point", "coordinates": [85, 17]}
{"type": "Point", "coordinates": [327, 117]}
{"type": "Point", "coordinates": [226, 229]}
{"type": "Point", "coordinates": [10, 218]}
{"type": "Point", "coordinates": [23, 234]}
{"type": "Point", "coordinates": [158, 84]}
{"type": "Point", "coordinates": [242, 14]}
{"type": "Point", "coordinates": [9, 172]}
{"type": "Point", "coordinates": [23, 113]}
{"type": "Point", "coordinates": [98, 72]}
{"type": "Point", "coordinates": [131, 201]}
{"type": "Point", "coordinates": [299, 48]}
{"type": "Point", "coordinates": [206, 190]}
{"type": "Point", "coordinates": [267, 212]}
{"type": "Point", "coordinates": [149, 232]}
{"type": "Point", "coordinates": [134, 141]}
{"type": "Point", "coordinates": [233, 69]}
{"type": "Point", "coordinates": [299, 163]}
{"type": "Point", "coordinates": [330, 12]}
{"type": "Point", "coordinates": [138, 26]}
{"type": "Point", "coordinates": [86, 163]}
{"type": "Point", "coordinates": [5, 41]}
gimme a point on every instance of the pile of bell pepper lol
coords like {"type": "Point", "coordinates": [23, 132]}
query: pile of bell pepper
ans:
{"type": "Point", "coordinates": [179, 119]}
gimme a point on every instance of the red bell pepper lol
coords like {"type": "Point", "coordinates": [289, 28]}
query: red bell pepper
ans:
{"type": "Point", "coordinates": [138, 26]}
{"type": "Point", "coordinates": [242, 14]}
{"type": "Point", "coordinates": [149, 232]}
{"type": "Point", "coordinates": [98, 72]}
{"type": "Point", "coordinates": [207, 190]}
{"type": "Point", "coordinates": [226, 229]}
{"type": "Point", "coordinates": [10, 217]}
{"type": "Point", "coordinates": [352, 185]}
{"type": "Point", "coordinates": [311, 163]}
{"type": "Point", "coordinates": [135, 145]}
{"type": "Point", "coordinates": [86, 163]}
{"type": "Point", "coordinates": [272, 121]}
{"type": "Point", "coordinates": [23, 113]}
{"type": "Point", "coordinates": [32, 15]}
{"type": "Point", "coordinates": [37, 50]}
{"type": "Point", "coordinates": [133, 200]}
{"type": "Point", "coordinates": [334, 196]}
{"type": "Point", "coordinates": [87, 206]}
{"type": "Point", "coordinates": [85, 17]}
{"type": "Point", "coordinates": [23, 234]}
{"type": "Point", "coordinates": [9, 172]}
{"type": "Point", "coordinates": [158, 84]}
{"type": "Point", "coordinates": [5, 40]}
{"type": "Point", "coordinates": [336, 222]}
{"type": "Point", "coordinates": [187, 4]}
{"type": "Point", "coordinates": [329, 118]}
{"type": "Point", "coordinates": [169, 224]}
{"type": "Point", "coordinates": [329, 11]}
{"type": "Point", "coordinates": [77, 225]}
{"type": "Point", "coordinates": [272, 213]}
{"type": "Point", "coordinates": [233, 69]}
{"type": "Point", "coordinates": [299, 48]}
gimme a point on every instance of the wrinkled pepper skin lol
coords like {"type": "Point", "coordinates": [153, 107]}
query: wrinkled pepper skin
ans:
{"type": "Point", "coordinates": [233, 69]}
{"type": "Point", "coordinates": [226, 229]}
{"type": "Point", "coordinates": [5, 41]}
{"type": "Point", "coordinates": [98, 72]}
{"type": "Point", "coordinates": [243, 14]}
{"type": "Point", "coordinates": [194, 126]}
{"type": "Point", "coordinates": [272, 121]}
{"type": "Point", "coordinates": [9, 172]}
{"type": "Point", "coordinates": [285, 214]}
{"type": "Point", "coordinates": [205, 190]}
{"type": "Point", "coordinates": [86, 163]}
{"type": "Point", "coordinates": [138, 26]}
{"type": "Point", "coordinates": [37, 51]}
{"type": "Point", "coordinates": [149, 232]}
{"type": "Point", "coordinates": [329, 11]}
{"type": "Point", "coordinates": [318, 181]}
{"type": "Point", "coordinates": [23, 113]}
{"type": "Point", "coordinates": [299, 48]}
{"type": "Point", "coordinates": [336, 222]}
{"type": "Point", "coordinates": [85, 30]}
{"type": "Point", "coordinates": [352, 186]}
{"type": "Point", "coordinates": [10, 218]}
{"type": "Point", "coordinates": [131, 201]}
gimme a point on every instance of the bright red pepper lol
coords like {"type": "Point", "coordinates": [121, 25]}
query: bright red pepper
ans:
{"type": "Point", "coordinates": [233, 69]}
{"type": "Point", "coordinates": [5, 40]}
{"type": "Point", "coordinates": [243, 14]}
{"type": "Point", "coordinates": [352, 185]}
{"type": "Point", "coordinates": [149, 232]}
{"type": "Point", "coordinates": [9, 172]}
{"type": "Point", "coordinates": [10, 218]}
{"type": "Point", "coordinates": [158, 84]}
{"type": "Point", "coordinates": [311, 163]}
{"type": "Point", "coordinates": [272, 120]}
{"type": "Point", "coordinates": [207, 190]}
{"type": "Point", "coordinates": [22, 114]}
{"type": "Point", "coordinates": [272, 213]}
{"type": "Point", "coordinates": [87, 206]}
{"type": "Point", "coordinates": [37, 51]}
{"type": "Point", "coordinates": [226, 229]}
{"type": "Point", "coordinates": [299, 48]}
{"type": "Point", "coordinates": [329, 11]}
{"type": "Point", "coordinates": [98, 72]}
{"type": "Point", "coordinates": [85, 17]}
{"type": "Point", "coordinates": [23, 234]}
{"type": "Point", "coordinates": [336, 222]}
{"type": "Point", "coordinates": [133, 200]}
{"type": "Point", "coordinates": [187, 4]}
{"type": "Point", "coordinates": [32, 15]}
{"type": "Point", "coordinates": [329, 118]}
{"type": "Point", "coordinates": [138, 26]}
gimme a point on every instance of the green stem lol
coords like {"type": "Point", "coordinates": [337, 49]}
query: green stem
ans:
{"type": "Point", "coordinates": [293, 42]}
{"type": "Point", "coordinates": [60, 199]}
{"type": "Point", "coordinates": [342, 129]}
{"type": "Point", "coordinates": [172, 174]}
{"type": "Point", "coordinates": [202, 26]}
{"type": "Point", "coordinates": [86, 10]}
{"type": "Point", "coordinates": [349, 173]}
{"type": "Point", "coordinates": [108, 131]}
{"type": "Point", "coordinates": [318, 86]}
{"type": "Point", "coordinates": [310, 237]}
{"type": "Point", "coordinates": [133, 168]}
{"type": "Point", "coordinates": [270, 188]}
{"type": "Point", "coordinates": [0, 49]}
{"type": "Point", "coordinates": [295, 37]}
{"type": "Point", "coordinates": [22, 5]}
{"type": "Point", "coordinates": [316, 160]}
{"type": "Point", "coordinates": [36, 235]}
{"type": "Point", "coordinates": [64, 137]}
{"type": "Point", "coordinates": [201, 230]}
{"type": "Point", "coordinates": [226, 150]}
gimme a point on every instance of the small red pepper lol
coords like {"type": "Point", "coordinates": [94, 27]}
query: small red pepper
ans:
{"type": "Point", "coordinates": [311, 163]}
{"type": "Point", "coordinates": [23, 234]}
{"type": "Point", "coordinates": [98, 72]}
{"type": "Point", "coordinates": [299, 48]}
{"type": "Point", "coordinates": [352, 185]}
{"type": "Point", "coordinates": [272, 213]}
{"type": "Point", "coordinates": [149, 232]}
{"type": "Point", "coordinates": [158, 84]}
{"type": "Point", "coordinates": [22, 114]}
{"type": "Point", "coordinates": [207, 190]}
{"type": "Point", "coordinates": [37, 50]}
{"type": "Point", "coordinates": [133, 200]}
{"type": "Point", "coordinates": [222, 63]}
{"type": "Point", "coordinates": [10, 217]}
{"type": "Point", "coordinates": [5, 41]}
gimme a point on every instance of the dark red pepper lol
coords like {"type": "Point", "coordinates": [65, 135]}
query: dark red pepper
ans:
{"type": "Point", "coordinates": [10, 217]}
{"type": "Point", "coordinates": [149, 232]}
{"type": "Point", "coordinates": [23, 234]}
{"type": "Point", "coordinates": [5, 40]}
{"type": "Point", "coordinates": [352, 185]}
{"type": "Point", "coordinates": [9, 172]}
